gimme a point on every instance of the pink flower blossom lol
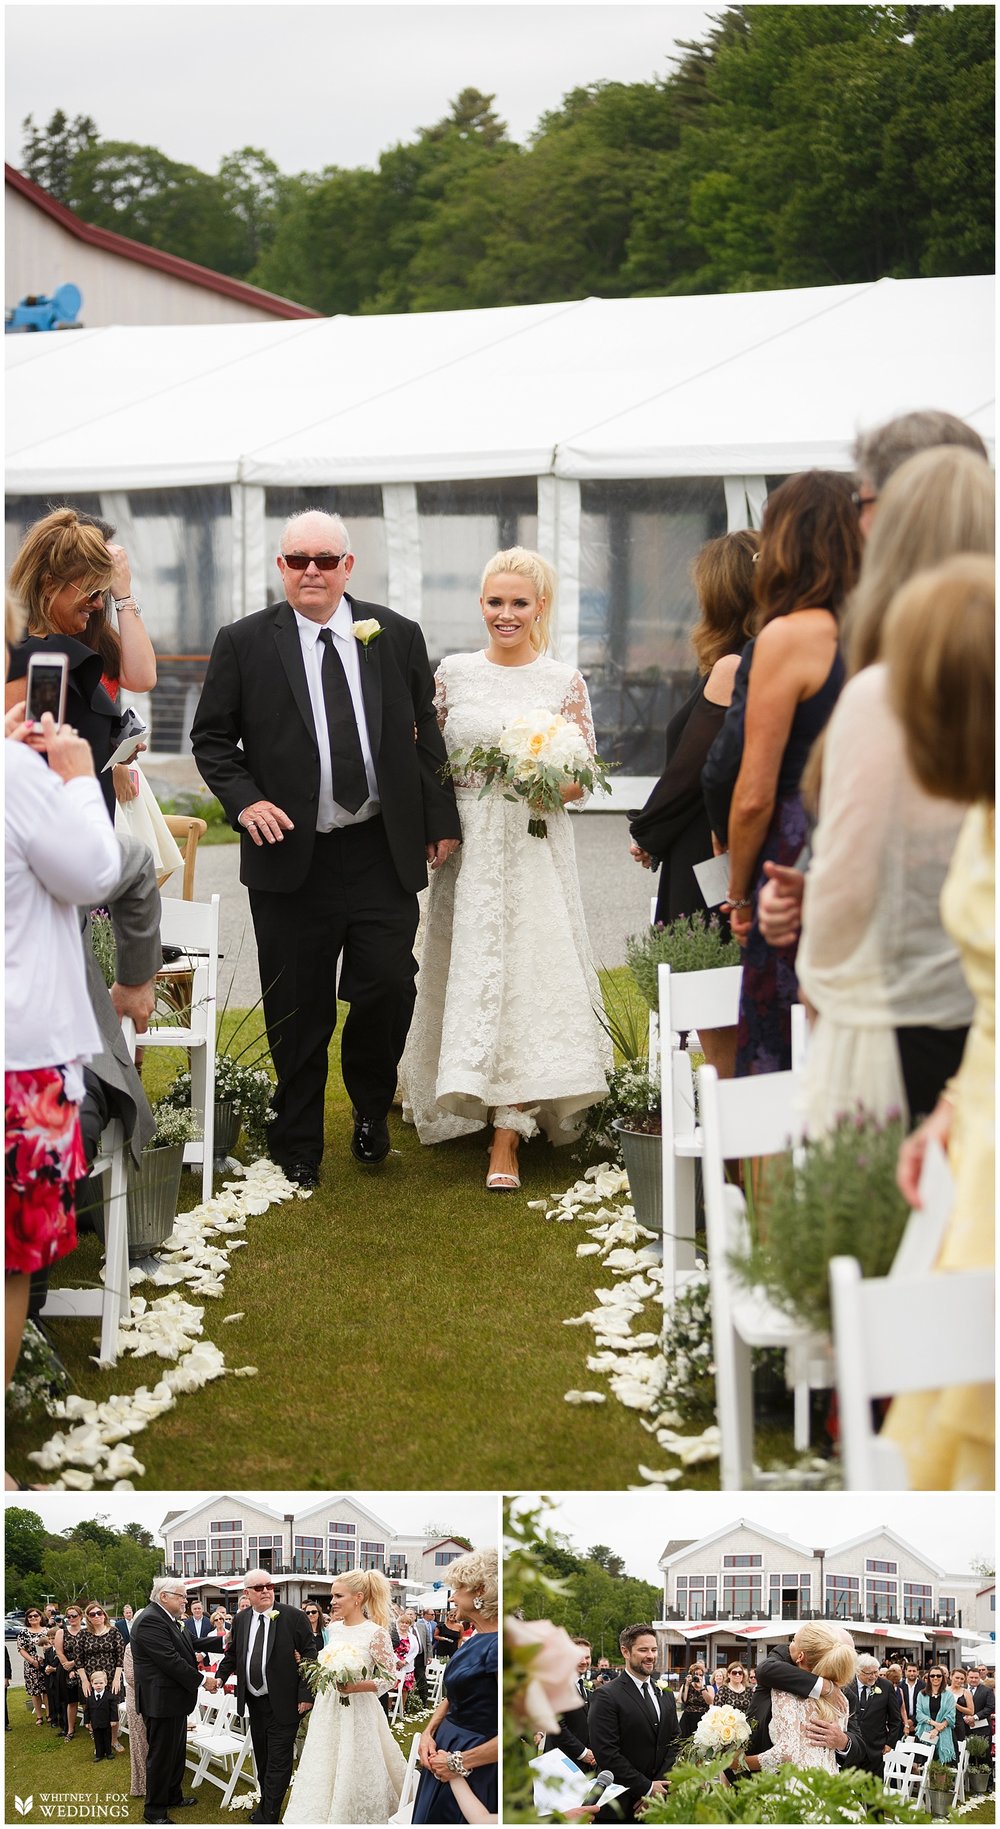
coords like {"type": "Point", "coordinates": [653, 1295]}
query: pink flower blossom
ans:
{"type": "Point", "coordinates": [551, 1679]}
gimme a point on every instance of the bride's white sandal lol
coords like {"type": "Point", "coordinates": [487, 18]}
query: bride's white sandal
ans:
{"type": "Point", "coordinates": [509, 1117]}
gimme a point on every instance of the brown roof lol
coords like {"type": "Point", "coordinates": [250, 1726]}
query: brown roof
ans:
{"type": "Point", "coordinates": [679, 1543]}
{"type": "Point", "coordinates": [189, 270]}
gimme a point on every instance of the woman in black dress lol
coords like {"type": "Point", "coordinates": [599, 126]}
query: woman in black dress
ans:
{"type": "Point", "coordinates": [103, 1650]}
{"type": "Point", "coordinates": [69, 1651]}
{"type": "Point", "coordinates": [696, 1698]}
{"type": "Point", "coordinates": [672, 830]}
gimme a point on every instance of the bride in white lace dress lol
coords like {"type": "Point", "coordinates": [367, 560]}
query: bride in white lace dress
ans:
{"type": "Point", "coordinates": [504, 1025]}
{"type": "Point", "coordinates": [351, 1769]}
{"type": "Point", "coordinates": [825, 1653]}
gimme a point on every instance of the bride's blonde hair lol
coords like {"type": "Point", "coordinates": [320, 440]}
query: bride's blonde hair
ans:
{"type": "Point", "coordinates": [827, 1654]}
{"type": "Point", "coordinates": [372, 1590]}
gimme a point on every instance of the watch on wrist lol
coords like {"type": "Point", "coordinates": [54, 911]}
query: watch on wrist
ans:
{"type": "Point", "coordinates": [121, 602]}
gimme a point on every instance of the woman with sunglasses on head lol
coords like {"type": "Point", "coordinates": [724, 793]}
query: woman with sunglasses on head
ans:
{"type": "Point", "coordinates": [102, 1650]}
{"type": "Point", "coordinates": [936, 1713]}
{"type": "Point", "coordinates": [69, 1650]}
{"type": "Point", "coordinates": [60, 575]}
{"type": "Point", "coordinates": [32, 1651]}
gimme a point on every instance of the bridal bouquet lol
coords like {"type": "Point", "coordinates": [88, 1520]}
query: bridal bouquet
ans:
{"type": "Point", "coordinates": [536, 755]}
{"type": "Point", "coordinates": [720, 1730]}
{"type": "Point", "coordinates": [338, 1664]}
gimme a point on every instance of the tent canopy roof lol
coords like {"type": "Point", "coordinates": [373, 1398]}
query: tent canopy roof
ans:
{"type": "Point", "coordinates": [733, 384]}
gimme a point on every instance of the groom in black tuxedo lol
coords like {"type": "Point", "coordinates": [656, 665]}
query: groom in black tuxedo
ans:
{"type": "Point", "coordinates": [325, 752]}
{"type": "Point", "coordinates": [167, 1680]}
{"type": "Point", "coordinates": [784, 1669]}
{"type": "Point", "coordinates": [632, 1726]}
{"type": "Point", "coordinates": [269, 1686]}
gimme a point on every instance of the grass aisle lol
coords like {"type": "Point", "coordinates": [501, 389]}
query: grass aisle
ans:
{"type": "Point", "coordinates": [403, 1321]}
{"type": "Point", "coordinates": [39, 1765]}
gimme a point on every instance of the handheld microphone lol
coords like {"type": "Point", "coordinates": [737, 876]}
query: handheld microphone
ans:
{"type": "Point", "coordinates": [597, 1789]}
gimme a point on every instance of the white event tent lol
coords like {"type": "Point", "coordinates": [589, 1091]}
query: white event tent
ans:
{"type": "Point", "coordinates": [616, 435]}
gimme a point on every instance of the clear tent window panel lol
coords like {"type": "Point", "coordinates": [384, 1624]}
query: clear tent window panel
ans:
{"type": "Point", "coordinates": [360, 508]}
{"type": "Point", "coordinates": [638, 606]}
{"type": "Point", "coordinates": [462, 524]}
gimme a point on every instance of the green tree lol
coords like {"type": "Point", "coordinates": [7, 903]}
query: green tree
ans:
{"type": "Point", "coordinates": [139, 192]}
{"type": "Point", "coordinates": [49, 153]}
{"type": "Point", "coordinates": [24, 1541]}
{"type": "Point", "coordinates": [251, 189]}
{"type": "Point", "coordinates": [139, 1534]}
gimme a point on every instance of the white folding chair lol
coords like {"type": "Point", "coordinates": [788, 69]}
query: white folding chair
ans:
{"type": "Point", "coordinates": [687, 1000]}
{"type": "Point", "coordinates": [917, 1250]}
{"type": "Point", "coordinates": [870, 1317]}
{"type": "Point", "coordinates": [216, 1742]}
{"type": "Point", "coordinates": [435, 1680]}
{"type": "Point", "coordinates": [407, 1796]}
{"type": "Point", "coordinates": [961, 1769]}
{"type": "Point", "coordinates": [194, 926]}
{"type": "Point", "coordinates": [112, 1300]}
{"type": "Point", "coordinates": [906, 1767]}
{"type": "Point", "coordinates": [757, 1116]}
{"type": "Point", "coordinates": [800, 1037]}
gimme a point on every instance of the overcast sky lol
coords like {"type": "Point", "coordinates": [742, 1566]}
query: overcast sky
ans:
{"type": "Point", "coordinates": [470, 1514]}
{"type": "Point", "coordinates": [316, 85]}
{"type": "Point", "coordinates": [949, 1528]}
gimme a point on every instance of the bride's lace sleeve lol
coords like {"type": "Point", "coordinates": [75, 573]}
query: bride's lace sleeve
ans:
{"type": "Point", "coordinates": [381, 1649]}
{"type": "Point", "coordinates": [788, 1719]}
{"type": "Point", "coordinates": [576, 707]}
{"type": "Point", "coordinates": [441, 698]}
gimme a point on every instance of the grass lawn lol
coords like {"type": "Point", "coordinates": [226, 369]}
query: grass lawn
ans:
{"type": "Point", "coordinates": [402, 1320]}
{"type": "Point", "coordinates": [39, 1765]}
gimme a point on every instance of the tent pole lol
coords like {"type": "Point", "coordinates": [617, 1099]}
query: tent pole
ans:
{"type": "Point", "coordinates": [402, 539]}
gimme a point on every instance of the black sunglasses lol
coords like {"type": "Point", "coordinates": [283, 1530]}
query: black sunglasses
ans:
{"type": "Point", "coordinates": [324, 562]}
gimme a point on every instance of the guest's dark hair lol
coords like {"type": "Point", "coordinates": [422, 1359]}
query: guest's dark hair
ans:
{"type": "Point", "coordinates": [722, 574]}
{"type": "Point", "coordinates": [810, 551]}
{"type": "Point", "coordinates": [628, 1635]}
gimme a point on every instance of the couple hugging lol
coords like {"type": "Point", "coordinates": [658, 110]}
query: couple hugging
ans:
{"type": "Point", "coordinates": [798, 1713]}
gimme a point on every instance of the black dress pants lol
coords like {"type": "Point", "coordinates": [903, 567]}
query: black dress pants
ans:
{"type": "Point", "coordinates": [273, 1750]}
{"type": "Point", "coordinates": [167, 1741]}
{"type": "Point", "coordinates": [928, 1058]}
{"type": "Point", "coordinates": [352, 904]}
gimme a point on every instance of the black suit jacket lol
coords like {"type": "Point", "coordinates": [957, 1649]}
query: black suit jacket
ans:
{"type": "Point", "coordinates": [623, 1741]}
{"type": "Point", "coordinates": [286, 1687]}
{"type": "Point", "coordinates": [255, 692]}
{"type": "Point", "coordinates": [779, 1672]}
{"type": "Point", "coordinates": [984, 1700]}
{"type": "Point", "coordinates": [198, 1629]}
{"type": "Point", "coordinates": [910, 1703]}
{"type": "Point", "coordinates": [879, 1723]}
{"type": "Point", "coordinates": [572, 1736]}
{"type": "Point", "coordinates": [167, 1678]}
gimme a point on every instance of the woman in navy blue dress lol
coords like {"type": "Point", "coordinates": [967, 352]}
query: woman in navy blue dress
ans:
{"type": "Point", "coordinates": [810, 555]}
{"type": "Point", "coordinates": [458, 1748]}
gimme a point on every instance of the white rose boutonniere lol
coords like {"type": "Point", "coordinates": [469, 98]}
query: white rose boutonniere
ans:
{"type": "Point", "coordinates": [366, 632]}
{"type": "Point", "coordinates": [273, 1613]}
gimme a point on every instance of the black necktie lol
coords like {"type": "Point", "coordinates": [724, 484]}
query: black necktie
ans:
{"type": "Point", "coordinates": [864, 1695]}
{"type": "Point", "coordinates": [257, 1656]}
{"type": "Point", "coordinates": [581, 1686]}
{"type": "Point", "coordinates": [350, 782]}
{"type": "Point", "coordinates": [650, 1705]}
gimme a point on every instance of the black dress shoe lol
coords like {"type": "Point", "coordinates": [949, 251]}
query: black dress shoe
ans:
{"type": "Point", "coordinates": [370, 1142]}
{"type": "Point", "coordinates": [182, 1803]}
{"type": "Point", "coordinates": [306, 1174]}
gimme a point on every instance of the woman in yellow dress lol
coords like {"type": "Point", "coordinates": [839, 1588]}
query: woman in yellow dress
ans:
{"type": "Point", "coordinates": [940, 648]}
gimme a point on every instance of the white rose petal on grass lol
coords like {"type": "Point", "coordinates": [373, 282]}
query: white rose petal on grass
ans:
{"type": "Point", "coordinates": [587, 1250]}
{"type": "Point", "coordinates": [666, 1478]}
{"type": "Point", "coordinates": [239, 1316]}
{"type": "Point", "coordinates": [585, 1397]}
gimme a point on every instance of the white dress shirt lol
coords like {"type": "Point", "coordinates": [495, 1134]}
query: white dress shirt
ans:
{"type": "Point", "coordinates": [639, 1681]}
{"type": "Point", "coordinates": [61, 850]}
{"type": "Point", "coordinates": [329, 813]}
{"type": "Point", "coordinates": [252, 1639]}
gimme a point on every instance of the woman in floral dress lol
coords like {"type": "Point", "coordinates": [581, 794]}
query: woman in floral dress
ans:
{"type": "Point", "coordinates": [31, 1653]}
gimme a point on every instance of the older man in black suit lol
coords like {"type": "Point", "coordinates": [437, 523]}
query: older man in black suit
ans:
{"type": "Point", "coordinates": [633, 1726]}
{"type": "Point", "coordinates": [262, 1652]}
{"type": "Point", "coordinates": [317, 731]}
{"type": "Point", "coordinates": [167, 1680]}
{"type": "Point", "coordinates": [872, 1699]}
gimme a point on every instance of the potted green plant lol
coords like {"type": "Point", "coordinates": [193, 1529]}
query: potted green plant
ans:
{"type": "Point", "coordinates": [839, 1199]}
{"type": "Point", "coordinates": [980, 1769]}
{"type": "Point", "coordinates": [940, 1786]}
{"type": "Point", "coordinates": [243, 1092]}
{"type": "Point", "coordinates": [154, 1183]}
{"type": "Point", "coordinates": [634, 1102]}
{"type": "Point", "coordinates": [691, 943]}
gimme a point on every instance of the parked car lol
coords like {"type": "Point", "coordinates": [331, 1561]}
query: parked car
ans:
{"type": "Point", "coordinates": [13, 1624]}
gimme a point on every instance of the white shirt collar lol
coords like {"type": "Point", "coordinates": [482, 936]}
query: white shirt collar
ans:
{"type": "Point", "coordinates": [341, 622]}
